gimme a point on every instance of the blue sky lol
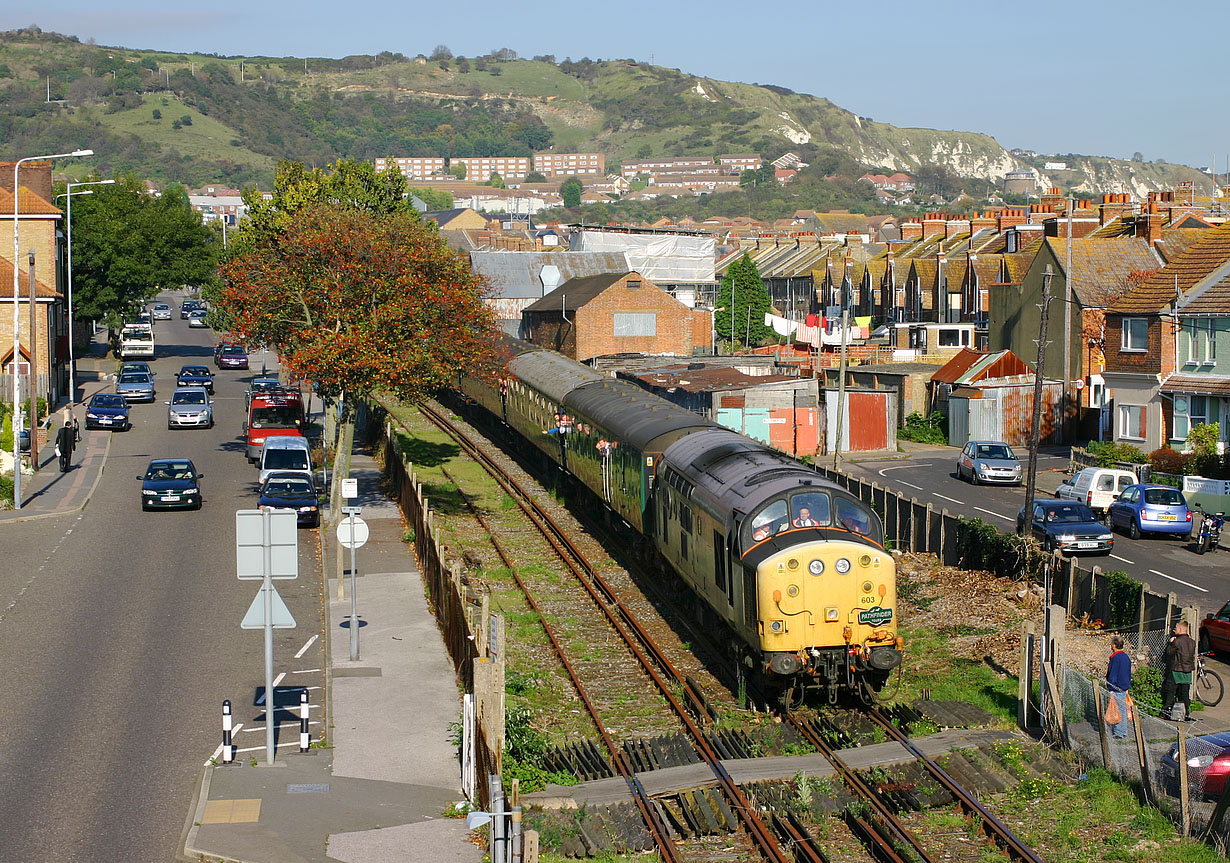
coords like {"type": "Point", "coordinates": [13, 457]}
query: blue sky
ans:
{"type": "Point", "coordinates": [1095, 77]}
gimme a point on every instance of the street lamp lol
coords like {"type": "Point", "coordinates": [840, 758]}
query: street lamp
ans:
{"type": "Point", "coordinates": [72, 363]}
{"type": "Point", "coordinates": [17, 322]}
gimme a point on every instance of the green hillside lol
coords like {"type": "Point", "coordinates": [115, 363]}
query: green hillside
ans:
{"type": "Point", "coordinates": [246, 113]}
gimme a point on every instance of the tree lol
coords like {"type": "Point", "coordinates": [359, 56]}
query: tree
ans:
{"type": "Point", "coordinates": [495, 181]}
{"type": "Point", "coordinates": [458, 170]}
{"type": "Point", "coordinates": [535, 177]}
{"type": "Point", "coordinates": [441, 52]}
{"type": "Point", "coordinates": [157, 114]}
{"type": "Point", "coordinates": [571, 190]}
{"type": "Point", "coordinates": [435, 199]}
{"type": "Point", "coordinates": [743, 300]}
{"type": "Point", "coordinates": [760, 177]}
{"type": "Point", "coordinates": [128, 245]}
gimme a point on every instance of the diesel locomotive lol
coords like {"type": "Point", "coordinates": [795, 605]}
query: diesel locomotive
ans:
{"type": "Point", "coordinates": [792, 564]}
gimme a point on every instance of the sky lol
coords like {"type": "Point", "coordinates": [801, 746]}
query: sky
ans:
{"type": "Point", "coordinates": [1088, 76]}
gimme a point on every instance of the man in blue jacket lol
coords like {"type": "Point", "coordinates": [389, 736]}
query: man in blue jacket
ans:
{"type": "Point", "coordinates": [1119, 679]}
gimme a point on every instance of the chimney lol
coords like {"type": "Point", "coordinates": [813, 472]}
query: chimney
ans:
{"type": "Point", "coordinates": [1153, 224]}
{"type": "Point", "coordinates": [933, 225]}
{"type": "Point", "coordinates": [981, 222]}
{"type": "Point", "coordinates": [1009, 217]}
{"type": "Point", "coordinates": [35, 176]}
{"type": "Point", "coordinates": [911, 230]}
{"type": "Point", "coordinates": [956, 226]}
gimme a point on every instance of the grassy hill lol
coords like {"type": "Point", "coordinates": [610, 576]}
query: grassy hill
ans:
{"type": "Point", "coordinates": [248, 112]}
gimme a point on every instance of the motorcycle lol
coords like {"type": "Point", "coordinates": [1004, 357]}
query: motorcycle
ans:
{"type": "Point", "coordinates": [1210, 531]}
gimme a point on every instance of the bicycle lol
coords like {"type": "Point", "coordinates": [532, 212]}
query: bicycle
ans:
{"type": "Point", "coordinates": [1207, 684]}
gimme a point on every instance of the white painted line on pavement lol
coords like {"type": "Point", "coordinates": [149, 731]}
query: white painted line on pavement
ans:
{"type": "Point", "coordinates": [303, 650]}
{"type": "Point", "coordinates": [306, 671]}
{"type": "Point", "coordinates": [988, 512]}
{"type": "Point", "coordinates": [280, 724]}
{"type": "Point", "coordinates": [1180, 581]}
{"type": "Point", "coordinates": [277, 681]}
{"type": "Point", "coordinates": [899, 467]}
{"type": "Point", "coordinates": [910, 484]}
{"type": "Point", "coordinates": [1124, 559]}
{"type": "Point", "coordinates": [942, 497]}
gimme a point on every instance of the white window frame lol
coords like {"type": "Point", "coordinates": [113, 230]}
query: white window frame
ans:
{"type": "Point", "coordinates": [1126, 411]}
{"type": "Point", "coordinates": [1208, 333]}
{"type": "Point", "coordinates": [1186, 414]}
{"type": "Point", "coordinates": [1191, 333]}
{"type": "Point", "coordinates": [1125, 342]}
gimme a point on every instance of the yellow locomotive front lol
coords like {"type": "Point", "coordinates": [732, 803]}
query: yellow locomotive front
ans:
{"type": "Point", "coordinates": [826, 594]}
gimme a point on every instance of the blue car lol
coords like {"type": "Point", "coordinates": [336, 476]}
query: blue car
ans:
{"type": "Point", "coordinates": [292, 491]}
{"type": "Point", "coordinates": [171, 483]}
{"type": "Point", "coordinates": [196, 376]}
{"type": "Point", "coordinates": [107, 411]}
{"type": "Point", "coordinates": [1148, 508]}
{"type": "Point", "coordinates": [135, 386]}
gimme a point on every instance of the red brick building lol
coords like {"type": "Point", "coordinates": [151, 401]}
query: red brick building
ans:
{"type": "Point", "coordinates": [615, 313]}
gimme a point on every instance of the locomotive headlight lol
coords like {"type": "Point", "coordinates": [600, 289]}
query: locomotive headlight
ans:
{"type": "Point", "coordinates": [792, 590]}
{"type": "Point", "coordinates": [830, 615]}
{"type": "Point", "coordinates": [816, 567]}
{"type": "Point", "coordinates": [792, 564]}
{"type": "Point", "coordinates": [843, 565]}
{"type": "Point", "coordinates": [867, 585]}
{"type": "Point", "coordinates": [865, 560]}
{"type": "Point", "coordinates": [776, 625]}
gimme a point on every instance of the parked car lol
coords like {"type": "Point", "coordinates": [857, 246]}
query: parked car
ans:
{"type": "Point", "coordinates": [1208, 757]}
{"type": "Point", "coordinates": [232, 357]}
{"type": "Point", "coordinates": [161, 312]}
{"type": "Point", "coordinates": [107, 411]}
{"type": "Point", "coordinates": [1096, 487]}
{"type": "Point", "coordinates": [1067, 526]}
{"type": "Point", "coordinates": [196, 376]}
{"type": "Point", "coordinates": [135, 386]}
{"type": "Point", "coordinates": [988, 461]}
{"type": "Point", "coordinates": [1215, 631]}
{"type": "Point", "coordinates": [1148, 508]}
{"type": "Point", "coordinates": [292, 491]}
{"type": "Point", "coordinates": [196, 318]}
{"type": "Point", "coordinates": [171, 483]}
{"type": "Point", "coordinates": [187, 306]}
{"type": "Point", "coordinates": [190, 407]}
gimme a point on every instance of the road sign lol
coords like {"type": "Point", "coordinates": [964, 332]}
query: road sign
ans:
{"type": "Point", "coordinates": [352, 532]}
{"type": "Point", "coordinates": [350, 488]}
{"type": "Point", "coordinates": [250, 543]}
{"type": "Point", "coordinates": [255, 618]}
{"type": "Point", "coordinates": [1079, 383]}
{"type": "Point", "coordinates": [352, 510]}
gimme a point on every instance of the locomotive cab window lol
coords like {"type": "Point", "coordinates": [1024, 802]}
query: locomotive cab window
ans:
{"type": "Point", "coordinates": [773, 518]}
{"type": "Point", "coordinates": [853, 517]}
{"type": "Point", "coordinates": [810, 509]}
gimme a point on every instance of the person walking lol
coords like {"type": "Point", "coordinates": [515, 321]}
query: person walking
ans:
{"type": "Point", "coordinates": [1180, 664]}
{"type": "Point", "coordinates": [1119, 680]}
{"type": "Point", "coordinates": [66, 441]}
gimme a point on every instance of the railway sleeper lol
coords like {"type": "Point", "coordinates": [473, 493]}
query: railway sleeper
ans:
{"type": "Point", "coordinates": [952, 714]}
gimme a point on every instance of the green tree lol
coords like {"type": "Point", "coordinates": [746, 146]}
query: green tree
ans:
{"type": "Point", "coordinates": [496, 181]}
{"type": "Point", "coordinates": [571, 190]}
{"type": "Point", "coordinates": [762, 177]}
{"type": "Point", "coordinates": [157, 114]}
{"type": "Point", "coordinates": [743, 301]}
{"type": "Point", "coordinates": [458, 170]}
{"type": "Point", "coordinates": [435, 199]}
{"type": "Point", "coordinates": [535, 177]}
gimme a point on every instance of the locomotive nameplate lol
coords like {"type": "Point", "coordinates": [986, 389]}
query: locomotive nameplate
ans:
{"type": "Point", "coordinates": [877, 616]}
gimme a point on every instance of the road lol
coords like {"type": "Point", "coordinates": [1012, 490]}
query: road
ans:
{"type": "Point", "coordinates": [1166, 564]}
{"type": "Point", "coordinates": [120, 638]}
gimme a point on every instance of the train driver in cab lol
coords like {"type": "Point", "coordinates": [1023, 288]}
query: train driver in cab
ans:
{"type": "Point", "coordinates": [804, 519]}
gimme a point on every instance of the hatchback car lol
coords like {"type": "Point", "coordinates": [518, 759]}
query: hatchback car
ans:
{"type": "Point", "coordinates": [292, 491]}
{"type": "Point", "coordinates": [232, 357]}
{"type": "Point", "coordinates": [1208, 762]}
{"type": "Point", "coordinates": [135, 386]}
{"type": "Point", "coordinates": [196, 318]}
{"type": "Point", "coordinates": [196, 376]}
{"type": "Point", "coordinates": [1066, 526]}
{"type": "Point", "coordinates": [988, 461]}
{"type": "Point", "coordinates": [138, 366]}
{"type": "Point", "coordinates": [187, 306]}
{"type": "Point", "coordinates": [171, 483]}
{"type": "Point", "coordinates": [107, 411]}
{"type": "Point", "coordinates": [190, 407]}
{"type": "Point", "coordinates": [1148, 508]}
{"type": "Point", "coordinates": [161, 312]}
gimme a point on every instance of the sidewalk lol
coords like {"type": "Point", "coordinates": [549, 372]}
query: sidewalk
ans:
{"type": "Point", "coordinates": [379, 792]}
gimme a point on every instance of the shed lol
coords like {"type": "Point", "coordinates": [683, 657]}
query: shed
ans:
{"type": "Point", "coordinates": [868, 420]}
{"type": "Point", "coordinates": [1001, 409]}
{"type": "Point", "coordinates": [970, 366]}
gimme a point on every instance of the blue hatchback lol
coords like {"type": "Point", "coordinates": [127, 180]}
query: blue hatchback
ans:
{"type": "Point", "coordinates": [1147, 508]}
{"type": "Point", "coordinates": [107, 411]}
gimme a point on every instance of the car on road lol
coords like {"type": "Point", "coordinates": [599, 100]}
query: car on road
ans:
{"type": "Point", "coordinates": [161, 312]}
{"type": "Point", "coordinates": [107, 411]}
{"type": "Point", "coordinates": [260, 386]}
{"type": "Point", "coordinates": [285, 453]}
{"type": "Point", "coordinates": [135, 386]}
{"type": "Point", "coordinates": [232, 357]}
{"type": "Point", "coordinates": [190, 407]}
{"type": "Point", "coordinates": [1096, 487]}
{"type": "Point", "coordinates": [1215, 631]}
{"type": "Point", "coordinates": [196, 376]}
{"type": "Point", "coordinates": [1208, 761]}
{"type": "Point", "coordinates": [1068, 527]}
{"type": "Point", "coordinates": [988, 461]}
{"type": "Point", "coordinates": [196, 318]}
{"type": "Point", "coordinates": [1150, 508]}
{"type": "Point", "coordinates": [188, 306]}
{"type": "Point", "coordinates": [138, 366]}
{"type": "Point", "coordinates": [171, 483]}
{"type": "Point", "coordinates": [292, 491]}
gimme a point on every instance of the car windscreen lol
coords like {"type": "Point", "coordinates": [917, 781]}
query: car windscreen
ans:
{"type": "Point", "coordinates": [134, 378]}
{"type": "Point", "coordinates": [995, 451]}
{"type": "Point", "coordinates": [195, 371]}
{"type": "Point", "coordinates": [288, 485]}
{"type": "Point", "coordinates": [164, 470]}
{"type": "Point", "coordinates": [1163, 497]}
{"type": "Point", "coordinates": [233, 351]}
{"type": "Point", "coordinates": [1070, 514]}
{"type": "Point", "coordinates": [188, 399]}
{"type": "Point", "coordinates": [106, 401]}
{"type": "Point", "coordinates": [277, 417]}
{"type": "Point", "coordinates": [286, 459]}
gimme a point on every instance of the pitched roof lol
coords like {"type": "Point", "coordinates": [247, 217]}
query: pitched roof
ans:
{"type": "Point", "coordinates": [575, 293]}
{"type": "Point", "coordinates": [515, 275]}
{"type": "Point", "coordinates": [968, 364]}
{"type": "Point", "coordinates": [31, 204]}
{"type": "Point", "coordinates": [1196, 384]}
{"type": "Point", "coordinates": [1100, 268]}
{"type": "Point", "coordinates": [23, 278]}
{"type": "Point", "coordinates": [1175, 241]}
{"type": "Point", "coordinates": [987, 268]}
{"type": "Point", "coordinates": [1213, 297]}
{"type": "Point", "coordinates": [1182, 273]}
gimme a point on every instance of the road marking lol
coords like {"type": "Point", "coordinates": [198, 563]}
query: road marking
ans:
{"type": "Point", "coordinates": [280, 724]}
{"type": "Point", "coordinates": [1180, 581]}
{"type": "Point", "coordinates": [303, 650]}
{"type": "Point", "coordinates": [218, 752]}
{"type": "Point", "coordinates": [277, 681]}
{"type": "Point", "coordinates": [306, 671]}
{"type": "Point", "coordinates": [942, 497]}
{"type": "Point", "coordinates": [1124, 559]}
{"type": "Point", "coordinates": [899, 467]}
{"type": "Point", "coordinates": [988, 512]}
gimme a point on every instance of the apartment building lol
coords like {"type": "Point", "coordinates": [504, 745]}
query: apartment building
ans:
{"type": "Point", "coordinates": [413, 167]}
{"type": "Point", "coordinates": [570, 164]}
{"type": "Point", "coordinates": [674, 163]}
{"type": "Point", "coordinates": [737, 163]}
{"type": "Point", "coordinates": [480, 168]}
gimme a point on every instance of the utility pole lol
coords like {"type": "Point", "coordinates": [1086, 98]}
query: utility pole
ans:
{"type": "Point", "coordinates": [1035, 424]}
{"type": "Point", "coordinates": [1067, 327]}
{"type": "Point", "coordinates": [841, 389]}
{"type": "Point", "coordinates": [33, 371]}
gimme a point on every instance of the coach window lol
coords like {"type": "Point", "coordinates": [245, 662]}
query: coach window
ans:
{"type": "Point", "coordinates": [809, 510]}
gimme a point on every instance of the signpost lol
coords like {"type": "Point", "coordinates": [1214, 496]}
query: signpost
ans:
{"type": "Point", "coordinates": [352, 533]}
{"type": "Point", "coordinates": [267, 547]}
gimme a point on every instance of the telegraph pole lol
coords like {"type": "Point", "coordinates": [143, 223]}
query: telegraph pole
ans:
{"type": "Point", "coordinates": [33, 371]}
{"type": "Point", "coordinates": [1035, 424]}
{"type": "Point", "coordinates": [1067, 325]}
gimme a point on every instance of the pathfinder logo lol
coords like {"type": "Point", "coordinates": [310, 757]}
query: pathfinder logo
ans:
{"type": "Point", "coordinates": [875, 616]}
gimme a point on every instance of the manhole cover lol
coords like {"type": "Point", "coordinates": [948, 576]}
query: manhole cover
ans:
{"type": "Point", "coordinates": [308, 788]}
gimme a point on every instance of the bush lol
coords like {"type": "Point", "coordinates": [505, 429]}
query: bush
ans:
{"type": "Point", "coordinates": [1108, 453]}
{"type": "Point", "coordinates": [925, 429]}
{"type": "Point", "coordinates": [1168, 460]}
{"type": "Point", "coordinates": [982, 546]}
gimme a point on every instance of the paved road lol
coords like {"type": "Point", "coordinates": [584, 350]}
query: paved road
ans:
{"type": "Point", "coordinates": [119, 632]}
{"type": "Point", "coordinates": [1166, 564]}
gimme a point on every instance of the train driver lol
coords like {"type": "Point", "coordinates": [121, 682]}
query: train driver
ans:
{"type": "Point", "coordinates": [852, 518]}
{"type": "Point", "coordinates": [804, 519]}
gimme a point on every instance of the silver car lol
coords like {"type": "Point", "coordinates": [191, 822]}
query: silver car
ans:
{"type": "Point", "coordinates": [190, 407]}
{"type": "Point", "coordinates": [135, 386]}
{"type": "Point", "coordinates": [161, 312]}
{"type": "Point", "coordinates": [989, 461]}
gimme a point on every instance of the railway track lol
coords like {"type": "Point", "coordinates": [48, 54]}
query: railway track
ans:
{"type": "Point", "coordinates": [876, 824]}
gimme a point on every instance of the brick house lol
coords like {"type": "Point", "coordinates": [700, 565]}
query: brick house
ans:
{"type": "Point", "coordinates": [615, 313]}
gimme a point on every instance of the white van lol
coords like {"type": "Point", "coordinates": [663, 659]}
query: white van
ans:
{"type": "Point", "coordinates": [1096, 487]}
{"type": "Point", "coordinates": [285, 453]}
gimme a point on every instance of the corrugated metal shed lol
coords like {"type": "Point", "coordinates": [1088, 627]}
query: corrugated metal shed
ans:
{"type": "Point", "coordinates": [519, 274]}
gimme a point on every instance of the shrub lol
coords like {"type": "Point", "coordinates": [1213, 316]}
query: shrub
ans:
{"type": "Point", "coordinates": [1168, 460]}
{"type": "Point", "coordinates": [1123, 598]}
{"type": "Point", "coordinates": [1108, 453]}
{"type": "Point", "coordinates": [925, 429]}
{"type": "Point", "coordinates": [982, 546]}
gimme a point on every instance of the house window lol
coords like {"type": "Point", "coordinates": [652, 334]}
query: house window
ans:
{"type": "Point", "coordinates": [636, 324]}
{"type": "Point", "coordinates": [1191, 337]}
{"type": "Point", "coordinates": [1132, 421]}
{"type": "Point", "coordinates": [950, 338]}
{"type": "Point", "coordinates": [1189, 411]}
{"type": "Point", "coordinates": [1135, 334]}
{"type": "Point", "coordinates": [1208, 338]}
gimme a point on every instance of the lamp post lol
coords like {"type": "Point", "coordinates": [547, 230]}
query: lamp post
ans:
{"type": "Point", "coordinates": [72, 363]}
{"type": "Point", "coordinates": [17, 321]}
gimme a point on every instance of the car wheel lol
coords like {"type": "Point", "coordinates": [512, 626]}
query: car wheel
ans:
{"type": "Point", "coordinates": [1134, 530]}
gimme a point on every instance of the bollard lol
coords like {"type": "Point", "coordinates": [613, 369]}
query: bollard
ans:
{"type": "Point", "coordinates": [305, 737]}
{"type": "Point", "coordinates": [228, 749]}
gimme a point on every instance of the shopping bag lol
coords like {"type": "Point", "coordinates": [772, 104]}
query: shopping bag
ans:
{"type": "Point", "coordinates": [1113, 716]}
{"type": "Point", "coordinates": [1131, 708]}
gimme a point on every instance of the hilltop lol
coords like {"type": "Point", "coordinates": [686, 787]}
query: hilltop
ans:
{"type": "Point", "coordinates": [197, 118]}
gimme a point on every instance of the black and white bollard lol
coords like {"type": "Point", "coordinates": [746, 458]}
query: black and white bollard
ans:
{"type": "Point", "coordinates": [228, 749]}
{"type": "Point", "coordinates": [305, 737]}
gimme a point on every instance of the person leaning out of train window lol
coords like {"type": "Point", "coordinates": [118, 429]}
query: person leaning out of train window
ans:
{"type": "Point", "coordinates": [804, 519]}
{"type": "Point", "coordinates": [561, 425]}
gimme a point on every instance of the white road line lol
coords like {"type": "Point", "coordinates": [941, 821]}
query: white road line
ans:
{"type": "Point", "coordinates": [1180, 581]}
{"type": "Point", "coordinates": [1124, 559]}
{"type": "Point", "coordinates": [306, 671]}
{"type": "Point", "coordinates": [280, 724]}
{"type": "Point", "coordinates": [910, 484]}
{"type": "Point", "coordinates": [988, 512]}
{"type": "Point", "coordinates": [899, 467]}
{"type": "Point", "coordinates": [942, 497]}
{"type": "Point", "coordinates": [303, 650]}
{"type": "Point", "coordinates": [218, 752]}
{"type": "Point", "coordinates": [277, 681]}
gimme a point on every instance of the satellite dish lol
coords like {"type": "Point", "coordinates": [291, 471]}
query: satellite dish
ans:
{"type": "Point", "coordinates": [550, 278]}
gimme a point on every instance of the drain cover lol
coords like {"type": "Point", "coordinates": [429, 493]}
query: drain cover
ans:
{"type": "Point", "coordinates": [308, 788]}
